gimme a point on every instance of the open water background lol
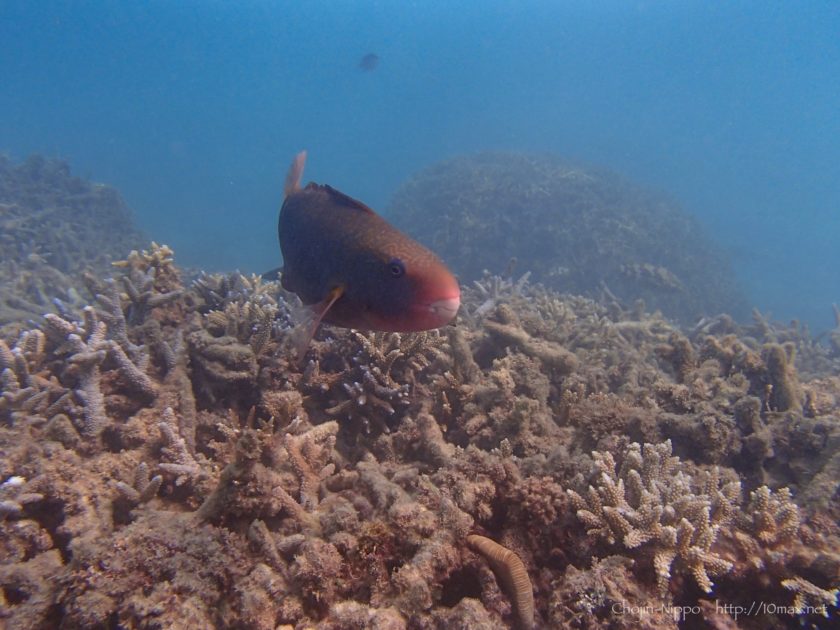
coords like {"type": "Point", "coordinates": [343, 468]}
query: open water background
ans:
{"type": "Point", "coordinates": [193, 109]}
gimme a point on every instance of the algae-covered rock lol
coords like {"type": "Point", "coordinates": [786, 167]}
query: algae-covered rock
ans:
{"type": "Point", "coordinates": [575, 228]}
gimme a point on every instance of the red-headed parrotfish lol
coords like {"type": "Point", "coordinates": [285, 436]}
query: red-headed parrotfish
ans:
{"type": "Point", "coordinates": [356, 269]}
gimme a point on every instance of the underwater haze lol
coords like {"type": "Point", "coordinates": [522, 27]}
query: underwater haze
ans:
{"type": "Point", "coordinates": [193, 110]}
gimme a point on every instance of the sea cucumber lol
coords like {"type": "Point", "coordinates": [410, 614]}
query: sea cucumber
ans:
{"type": "Point", "coordinates": [511, 571]}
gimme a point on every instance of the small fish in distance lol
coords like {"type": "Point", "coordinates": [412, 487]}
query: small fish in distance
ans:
{"type": "Point", "coordinates": [354, 268]}
{"type": "Point", "coordinates": [369, 62]}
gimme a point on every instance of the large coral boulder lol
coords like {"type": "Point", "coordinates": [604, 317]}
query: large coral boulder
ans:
{"type": "Point", "coordinates": [71, 223]}
{"type": "Point", "coordinates": [53, 227]}
{"type": "Point", "coordinates": [577, 229]}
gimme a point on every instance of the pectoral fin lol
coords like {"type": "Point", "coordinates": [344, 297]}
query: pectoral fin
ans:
{"type": "Point", "coordinates": [319, 310]}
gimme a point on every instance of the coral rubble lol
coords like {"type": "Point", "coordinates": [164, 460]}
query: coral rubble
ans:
{"type": "Point", "coordinates": [166, 463]}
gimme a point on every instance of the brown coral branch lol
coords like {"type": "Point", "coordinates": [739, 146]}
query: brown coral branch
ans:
{"type": "Point", "coordinates": [551, 354]}
{"type": "Point", "coordinates": [512, 572]}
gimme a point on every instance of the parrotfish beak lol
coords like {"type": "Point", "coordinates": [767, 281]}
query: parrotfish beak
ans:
{"type": "Point", "coordinates": [445, 309]}
{"type": "Point", "coordinates": [430, 315]}
{"type": "Point", "coordinates": [440, 301]}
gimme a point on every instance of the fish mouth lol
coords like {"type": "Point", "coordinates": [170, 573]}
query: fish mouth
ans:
{"type": "Point", "coordinates": [445, 309]}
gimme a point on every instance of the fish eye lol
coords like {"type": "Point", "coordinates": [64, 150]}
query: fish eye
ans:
{"type": "Point", "coordinates": [396, 267]}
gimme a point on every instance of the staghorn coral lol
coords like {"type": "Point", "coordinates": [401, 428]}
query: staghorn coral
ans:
{"type": "Point", "coordinates": [247, 308]}
{"type": "Point", "coordinates": [272, 512]}
{"type": "Point", "coordinates": [251, 323]}
{"type": "Point", "coordinates": [215, 292]}
{"type": "Point", "coordinates": [152, 286]}
{"type": "Point", "coordinates": [772, 518]}
{"type": "Point", "coordinates": [379, 371]}
{"type": "Point", "coordinates": [367, 399]}
{"type": "Point", "coordinates": [25, 393]}
{"type": "Point", "coordinates": [143, 488]}
{"type": "Point", "coordinates": [290, 487]}
{"type": "Point", "coordinates": [494, 290]}
{"type": "Point", "coordinates": [178, 461]}
{"type": "Point", "coordinates": [807, 595]}
{"type": "Point", "coordinates": [650, 501]}
{"type": "Point", "coordinates": [155, 269]}
{"type": "Point", "coordinates": [88, 351]}
{"type": "Point", "coordinates": [769, 540]}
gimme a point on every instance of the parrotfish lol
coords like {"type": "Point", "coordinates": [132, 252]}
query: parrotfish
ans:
{"type": "Point", "coordinates": [354, 268]}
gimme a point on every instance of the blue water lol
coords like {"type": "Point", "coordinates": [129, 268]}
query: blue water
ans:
{"type": "Point", "coordinates": [194, 110]}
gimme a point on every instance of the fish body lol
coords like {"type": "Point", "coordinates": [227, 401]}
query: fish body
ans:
{"type": "Point", "coordinates": [356, 269]}
{"type": "Point", "coordinates": [369, 62]}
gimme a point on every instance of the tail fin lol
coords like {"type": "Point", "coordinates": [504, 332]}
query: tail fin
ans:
{"type": "Point", "coordinates": [295, 174]}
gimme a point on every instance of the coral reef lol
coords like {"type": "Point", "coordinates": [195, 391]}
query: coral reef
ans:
{"type": "Point", "coordinates": [54, 226]}
{"type": "Point", "coordinates": [513, 574]}
{"type": "Point", "coordinates": [648, 501]}
{"type": "Point", "coordinates": [548, 461]}
{"type": "Point", "coordinates": [576, 228]}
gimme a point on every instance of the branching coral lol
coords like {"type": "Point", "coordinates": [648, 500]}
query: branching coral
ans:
{"type": "Point", "coordinates": [251, 323]}
{"type": "Point", "coordinates": [178, 462]}
{"type": "Point", "coordinates": [309, 454]}
{"type": "Point", "coordinates": [143, 488]}
{"type": "Point", "coordinates": [290, 487]}
{"type": "Point", "coordinates": [154, 269]}
{"type": "Point", "coordinates": [14, 496]}
{"type": "Point", "coordinates": [26, 393]}
{"type": "Point", "coordinates": [250, 309]}
{"type": "Point", "coordinates": [494, 290]}
{"type": "Point", "coordinates": [807, 595]}
{"type": "Point", "coordinates": [378, 374]}
{"type": "Point", "coordinates": [87, 350]}
{"type": "Point", "coordinates": [86, 353]}
{"type": "Point", "coordinates": [768, 539]}
{"type": "Point", "coordinates": [772, 518]}
{"type": "Point", "coordinates": [226, 365]}
{"type": "Point", "coordinates": [650, 501]}
{"type": "Point", "coordinates": [211, 482]}
{"type": "Point", "coordinates": [215, 292]}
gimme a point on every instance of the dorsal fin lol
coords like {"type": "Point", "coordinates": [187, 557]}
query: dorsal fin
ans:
{"type": "Point", "coordinates": [295, 174]}
{"type": "Point", "coordinates": [346, 200]}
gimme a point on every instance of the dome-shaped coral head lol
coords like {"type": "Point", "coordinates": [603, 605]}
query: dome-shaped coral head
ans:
{"type": "Point", "coordinates": [356, 269]}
